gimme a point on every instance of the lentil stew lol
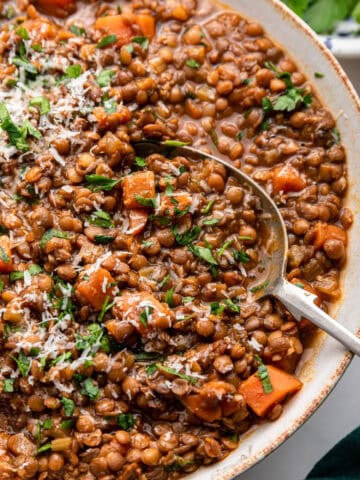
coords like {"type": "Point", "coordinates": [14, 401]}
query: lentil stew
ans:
{"type": "Point", "coordinates": [128, 347]}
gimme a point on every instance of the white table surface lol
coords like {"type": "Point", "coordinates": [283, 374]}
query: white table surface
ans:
{"type": "Point", "coordinates": [338, 415]}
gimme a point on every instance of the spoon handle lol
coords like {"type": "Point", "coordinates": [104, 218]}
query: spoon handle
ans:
{"type": "Point", "coordinates": [301, 304]}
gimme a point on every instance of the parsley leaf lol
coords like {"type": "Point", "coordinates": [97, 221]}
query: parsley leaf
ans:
{"type": "Point", "coordinates": [17, 135]}
{"type": "Point", "coordinates": [142, 41]}
{"type": "Point", "coordinates": [126, 421]}
{"type": "Point", "coordinates": [145, 314]}
{"type": "Point", "coordinates": [8, 385]}
{"type": "Point", "coordinates": [51, 234]}
{"type": "Point", "coordinates": [174, 372]}
{"type": "Point", "coordinates": [208, 207]}
{"type": "Point", "coordinates": [204, 253]}
{"type": "Point", "coordinates": [100, 182]}
{"type": "Point", "coordinates": [216, 308]}
{"type": "Point", "coordinates": [104, 77]}
{"type": "Point", "coordinates": [264, 376]}
{"type": "Point", "coordinates": [23, 363]}
{"type": "Point", "coordinates": [42, 103]}
{"type": "Point", "coordinates": [101, 219]}
{"type": "Point", "coordinates": [106, 41]}
{"type": "Point", "coordinates": [146, 202]}
{"type": "Point", "coordinates": [78, 31]}
{"type": "Point", "coordinates": [74, 71]}
{"type": "Point", "coordinates": [23, 33]}
{"type": "Point", "coordinates": [188, 236]}
{"type": "Point", "coordinates": [192, 63]}
{"type": "Point", "coordinates": [104, 239]}
{"type": "Point", "coordinates": [140, 162]}
{"type": "Point", "coordinates": [174, 143]}
{"type": "Point", "coordinates": [106, 306]}
{"type": "Point", "coordinates": [68, 405]}
{"type": "Point", "coordinates": [241, 256]}
{"type": "Point", "coordinates": [90, 389]}
{"type": "Point", "coordinates": [169, 297]}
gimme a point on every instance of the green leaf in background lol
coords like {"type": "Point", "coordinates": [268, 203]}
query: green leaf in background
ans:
{"type": "Point", "coordinates": [356, 12]}
{"type": "Point", "coordinates": [322, 15]}
{"type": "Point", "coordinates": [299, 6]}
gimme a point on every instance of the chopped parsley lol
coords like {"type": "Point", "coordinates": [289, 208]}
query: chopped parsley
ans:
{"type": "Point", "coordinates": [172, 371]}
{"type": "Point", "coordinates": [23, 33]}
{"type": "Point", "coordinates": [204, 253]}
{"type": "Point", "coordinates": [260, 287]}
{"type": "Point", "coordinates": [232, 306]}
{"type": "Point", "coordinates": [74, 71]}
{"type": "Point", "coordinates": [222, 249]}
{"type": "Point", "coordinates": [104, 77]}
{"type": "Point", "coordinates": [208, 207]}
{"type": "Point", "coordinates": [3, 256]}
{"type": "Point", "coordinates": [319, 75]}
{"type": "Point", "coordinates": [68, 406]}
{"type": "Point", "coordinates": [175, 143]}
{"type": "Point", "coordinates": [142, 41]}
{"type": "Point", "coordinates": [106, 306]}
{"type": "Point", "coordinates": [211, 221]}
{"type": "Point", "coordinates": [34, 269]}
{"type": "Point", "coordinates": [140, 162]}
{"type": "Point", "coordinates": [193, 63]}
{"type": "Point", "coordinates": [8, 385]}
{"type": "Point", "coordinates": [42, 103]}
{"type": "Point", "coordinates": [104, 239]}
{"type": "Point", "coordinates": [51, 234]}
{"type": "Point", "coordinates": [106, 41]}
{"type": "Point", "coordinates": [188, 236]}
{"type": "Point", "coordinates": [126, 421]}
{"type": "Point", "coordinates": [169, 297]}
{"type": "Point", "coordinates": [241, 256]}
{"type": "Point", "coordinates": [146, 202]}
{"type": "Point", "coordinates": [145, 315]}
{"type": "Point", "coordinates": [99, 182]}
{"type": "Point", "coordinates": [23, 363]}
{"type": "Point", "coordinates": [90, 389]}
{"type": "Point", "coordinates": [216, 308]}
{"type": "Point", "coordinates": [101, 219]}
{"type": "Point", "coordinates": [264, 376]}
{"type": "Point", "coordinates": [78, 31]}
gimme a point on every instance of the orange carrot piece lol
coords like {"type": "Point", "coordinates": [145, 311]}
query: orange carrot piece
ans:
{"type": "Point", "coordinates": [147, 25]}
{"type": "Point", "coordinates": [140, 184]}
{"type": "Point", "coordinates": [96, 288]}
{"type": "Point", "coordinates": [6, 260]}
{"type": "Point", "coordinates": [138, 219]}
{"type": "Point", "coordinates": [179, 201]}
{"type": "Point", "coordinates": [287, 179]}
{"type": "Point", "coordinates": [117, 25]}
{"type": "Point", "coordinates": [41, 29]}
{"type": "Point", "coordinates": [260, 402]}
{"type": "Point", "coordinates": [196, 405]}
{"type": "Point", "coordinates": [131, 305]}
{"type": "Point", "coordinates": [324, 232]}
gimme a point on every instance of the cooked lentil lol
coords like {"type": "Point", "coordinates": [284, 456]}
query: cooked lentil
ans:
{"type": "Point", "coordinates": [128, 347]}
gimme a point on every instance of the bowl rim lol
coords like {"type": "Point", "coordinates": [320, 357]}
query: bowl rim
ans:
{"type": "Point", "coordinates": [233, 473]}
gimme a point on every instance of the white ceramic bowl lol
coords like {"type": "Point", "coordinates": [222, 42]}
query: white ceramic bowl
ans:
{"type": "Point", "coordinates": [322, 365]}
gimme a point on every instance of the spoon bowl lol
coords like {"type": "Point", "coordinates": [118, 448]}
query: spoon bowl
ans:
{"type": "Point", "coordinates": [297, 300]}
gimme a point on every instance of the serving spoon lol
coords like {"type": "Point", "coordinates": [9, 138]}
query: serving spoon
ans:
{"type": "Point", "coordinates": [297, 300]}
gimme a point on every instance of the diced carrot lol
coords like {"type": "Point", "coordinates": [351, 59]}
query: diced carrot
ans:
{"type": "Point", "coordinates": [59, 8]}
{"type": "Point", "coordinates": [143, 311]}
{"type": "Point", "coordinates": [324, 232]}
{"type": "Point", "coordinates": [216, 399]}
{"type": "Point", "coordinates": [179, 201]}
{"type": "Point", "coordinates": [199, 407]}
{"type": "Point", "coordinates": [287, 179]}
{"type": "Point", "coordinates": [147, 25]}
{"type": "Point", "coordinates": [283, 384]}
{"type": "Point", "coordinates": [117, 25]}
{"type": "Point", "coordinates": [112, 120]}
{"type": "Point", "coordinates": [140, 184]}
{"type": "Point", "coordinates": [6, 260]}
{"type": "Point", "coordinates": [138, 218]}
{"type": "Point", "coordinates": [96, 288]}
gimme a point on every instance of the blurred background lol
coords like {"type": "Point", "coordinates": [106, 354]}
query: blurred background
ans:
{"type": "Point", "coordinates": [340, 413]}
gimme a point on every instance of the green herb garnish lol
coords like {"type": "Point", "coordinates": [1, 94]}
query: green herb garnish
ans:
{"type": "Point", "coordinates": [104, 77]}
{"type": "Point", "coordinates": [142, 41]}
{"type": "Point", "coordinates": [68, 406]}
{"type": "Point", "coordinates": [8, 385]}
{"type": "Point", "coordinates": [264, 376]}
{"type": "Point", "coordinates": [146, 202]}
{"type": "Point", "coordinates": [51, 234]}
{"type": "Point", "coordinates": [74, 71]}
{"type": "Point", "coordinates": [101, 219]}
{"type": "Point", "coordinates": [193, 63]}
{"type": "Point", "coordinates": [106, 41]}
{"type": "Point", "coordinates": [99, 182]}
{"type": "Point", "coordinates": [42, 103]}
{"type": "Point", "coordinates": [126, 421]}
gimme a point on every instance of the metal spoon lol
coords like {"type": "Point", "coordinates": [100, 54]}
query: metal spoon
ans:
{"type": "Point", "coordinates": [297, 300]}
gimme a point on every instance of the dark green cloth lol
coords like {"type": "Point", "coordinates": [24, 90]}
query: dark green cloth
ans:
{"type": "Point", "coordinates": [342, 462]}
